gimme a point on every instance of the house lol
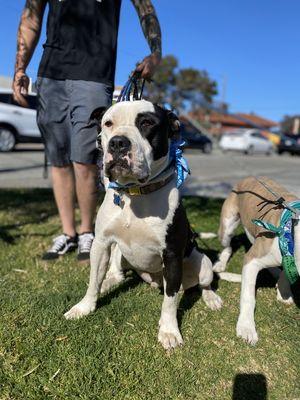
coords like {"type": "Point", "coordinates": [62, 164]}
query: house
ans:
{"type": "Point", "coordinates": [220, 122]}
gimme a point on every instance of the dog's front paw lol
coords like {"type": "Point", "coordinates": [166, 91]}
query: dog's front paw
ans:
{"type": "Point", "coordinates": [211, 299]}
{"type": "Point", "coordinates": [170, 340]}
{"type": "Point", "coordinates": [246, 330]}
{"type": "Point", "coordinates": [80, 310]}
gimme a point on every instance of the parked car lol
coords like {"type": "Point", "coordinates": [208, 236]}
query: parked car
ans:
{"type": "Point", "coordinates": [17, 124]}
{"type": "Point", "coordinates": [248, 141]}
{"type": "Point", "coordinates": [289, 143]}
{"type": "Point", "coordinates": [194, 138]}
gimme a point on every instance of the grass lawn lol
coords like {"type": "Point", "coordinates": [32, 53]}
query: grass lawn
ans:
{"type": "Point", "coordinates": [114, 352]}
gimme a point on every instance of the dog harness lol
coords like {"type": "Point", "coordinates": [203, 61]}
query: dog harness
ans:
{"type": "Point", "coordinates": [286, 239]}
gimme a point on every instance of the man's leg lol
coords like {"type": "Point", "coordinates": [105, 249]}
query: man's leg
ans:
{"type": "Point", "coordinates": [54, 121]}
{"type": "Point", "coordinates": [86, 96]}
{"type": "Point", "coordinates": [86, 191]}
{"type": "Point", "coordinates": [64, 193]}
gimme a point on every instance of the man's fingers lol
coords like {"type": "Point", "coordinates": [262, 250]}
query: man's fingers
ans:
{"type": "Point", "coordinates": [20, 88]}
{"type": "Point", "coordinates": [20, 99]}
{"type": "Point", "coordinates": [24, 91]}
{"type": "Point", "coordinates": [140, 67]}
{"type": "Point", "coordinates": [146, 74]}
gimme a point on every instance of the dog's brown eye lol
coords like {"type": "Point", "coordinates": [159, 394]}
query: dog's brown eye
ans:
{"type": "Point", "coordinates": [146, 123]}
{"type": "Point", "coordinates": [108, 124]}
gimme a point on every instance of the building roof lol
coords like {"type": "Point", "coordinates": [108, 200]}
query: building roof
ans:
{"type": "Point", "coordinates": [258, 120]}
{"type": "Point", "coordinates": [237, 120]}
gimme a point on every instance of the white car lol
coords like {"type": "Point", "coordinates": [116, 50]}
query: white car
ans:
{"type": "Point", "coordinates": [17, 124]}
{"type": "Point", "coordinates": [248, 141]}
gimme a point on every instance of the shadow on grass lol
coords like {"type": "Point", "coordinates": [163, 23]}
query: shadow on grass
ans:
{"type": "Point", "coordinates": [187, 301]}
{"type": "Point", "coordinates": [203, 205]}
{"type": "Point", "coordinates": [28, 207]}
{"type": "Point", "coordinates": [130, 282]}
{"type": "Point", "coordinates": [250, 387]}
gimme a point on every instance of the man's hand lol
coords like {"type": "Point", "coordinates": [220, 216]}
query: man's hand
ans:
{"type": "Point", "coordinates": [20, 88]}
{"type": "Point", "coordinates": [148, 66]}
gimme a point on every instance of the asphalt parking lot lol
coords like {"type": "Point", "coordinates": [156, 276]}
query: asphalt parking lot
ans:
{"type": "Point", "coordinates": [212, 175]}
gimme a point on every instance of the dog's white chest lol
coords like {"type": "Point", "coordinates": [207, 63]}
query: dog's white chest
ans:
{"type": "Point", "coordinates": [140, 228]}
{"type": "Point", "coordinates": [140, 240]}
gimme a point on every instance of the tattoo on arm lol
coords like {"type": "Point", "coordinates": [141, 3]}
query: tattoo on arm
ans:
{"type": "Point", "coordinates": [150, 24]}
{"type": "Point", "coordinates": [29, 32]}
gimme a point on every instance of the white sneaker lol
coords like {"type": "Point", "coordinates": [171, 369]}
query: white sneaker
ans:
{"type": "Point", "coordinates": [62, 244]}
{"type": "Point", "coordinates": [85, 241]}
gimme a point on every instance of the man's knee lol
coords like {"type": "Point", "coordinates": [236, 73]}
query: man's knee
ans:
{"type": "Point", "coordinates": [85, 171]}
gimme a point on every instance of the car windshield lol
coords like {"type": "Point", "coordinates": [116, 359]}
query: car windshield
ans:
{"type": "Point", "coordinates": [7, 98]}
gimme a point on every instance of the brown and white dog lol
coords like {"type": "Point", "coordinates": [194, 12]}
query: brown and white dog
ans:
{"type": "Point", "coordinates": [251, 200]}
{"type": "Point", "coordinates": [148, 233]}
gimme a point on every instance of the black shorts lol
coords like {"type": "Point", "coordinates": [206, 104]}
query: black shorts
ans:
{"type": "Point", "coordinates": [63, 117]}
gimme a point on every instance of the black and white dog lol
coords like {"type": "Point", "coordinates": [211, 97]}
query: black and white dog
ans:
{"type": "Point", "coordinates": [143, 226]}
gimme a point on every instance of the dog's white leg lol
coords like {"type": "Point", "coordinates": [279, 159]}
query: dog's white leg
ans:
{"type": "Point", "coordinates": [197, 270]}
{"type": "Point", "coordinates": [246, 324]}
{"type": "Point", "coordinates": [206, 274]}
{"type": "Point", "coordinates": [115, 273]}
{"type": "Point", "coordinates": [100, 253]}
{"type": "Point", "coordinates": [229, 225]}
{"type": "Point", "coordinates": [284, 293]}
{"type": "Point", "coordinates": [169, 335]}
{"type": "Point", "coordinates": [210, 298]}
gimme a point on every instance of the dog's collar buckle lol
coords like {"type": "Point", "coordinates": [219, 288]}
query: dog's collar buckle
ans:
{"type": "Point", "coordinates": [135, 191]}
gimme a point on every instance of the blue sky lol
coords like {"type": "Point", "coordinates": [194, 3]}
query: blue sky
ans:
{"type": "Point", "coordinates": [253, 44]}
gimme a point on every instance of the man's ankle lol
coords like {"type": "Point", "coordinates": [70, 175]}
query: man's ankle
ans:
{"type": "Point", "coordinates": [71, 234]}
{"type": "Point", "coordinates": [85, 230]}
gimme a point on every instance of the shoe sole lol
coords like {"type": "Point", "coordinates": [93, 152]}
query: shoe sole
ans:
{"type": "Point", "coordinates": [60, 255]}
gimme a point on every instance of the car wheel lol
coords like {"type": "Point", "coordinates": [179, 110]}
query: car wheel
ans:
{"type": "Point", "coordinates": [7, 139]}
{"type": "Point", "coordinates": [207, 148]}
{"type": "Point", "coordinates": [250, 150]}
{"type": "Point", "coordinates": [270, 152]}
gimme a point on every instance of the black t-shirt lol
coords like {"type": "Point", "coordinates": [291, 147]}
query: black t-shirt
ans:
{"type": "Point", "coordinates": [81, 40]}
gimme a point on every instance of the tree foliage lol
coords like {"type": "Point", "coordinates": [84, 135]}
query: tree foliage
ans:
{"type": "Point", "coordinates": [182, 88]}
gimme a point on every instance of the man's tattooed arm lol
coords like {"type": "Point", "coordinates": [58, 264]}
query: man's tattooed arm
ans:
{"type": "Point", "coordinates": [152, 32]}
{"type": "Point", "coordinates": [28, 36]}
{"type": "Point", "coordinates": [150, 24]}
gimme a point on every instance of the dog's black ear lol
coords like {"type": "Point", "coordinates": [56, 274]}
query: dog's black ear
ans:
{"type": "Point", "coordinates": [97, 114]}
{"type": "Point", "coordinates": [174, 124]}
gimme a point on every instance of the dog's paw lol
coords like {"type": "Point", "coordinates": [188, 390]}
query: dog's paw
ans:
{"type": "Point", "coordinates": [288, 300]}
{"type": "Point", "coordinates": [211, 299]}
{"type": "Point", "coordinates": [246, 330]}
{"type": "Point", "coordinates": [80, 310]}
{"type": "Point", "coordinates": [170, 340]}
{"type": "Point", "coordinates": [219, 266]}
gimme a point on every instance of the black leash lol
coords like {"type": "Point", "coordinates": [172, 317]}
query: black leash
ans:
{"type": "Point", "coordinates": [133, 88]}
{"type": "Point", "coordinates": [279, 200]}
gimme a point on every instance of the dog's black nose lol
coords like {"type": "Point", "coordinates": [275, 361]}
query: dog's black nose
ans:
{"type": "Point", "coordinates": [119, 144]}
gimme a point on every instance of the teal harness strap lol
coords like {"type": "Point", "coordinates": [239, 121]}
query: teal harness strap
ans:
{"type": "Point", "coordinates": [286, 241]}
